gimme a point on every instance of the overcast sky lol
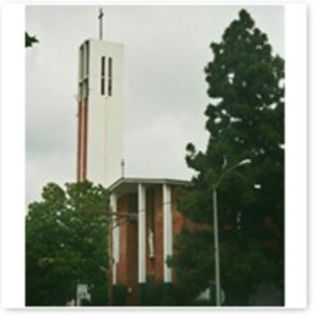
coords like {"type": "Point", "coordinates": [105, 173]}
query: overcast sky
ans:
{"type": "Point", "coordinates": [166, 49]}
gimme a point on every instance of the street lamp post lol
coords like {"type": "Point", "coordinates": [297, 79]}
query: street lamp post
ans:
{"type": "Point", "coordinates": [216, 247]}
{"type": "Point", "coordinates": [216, 229]}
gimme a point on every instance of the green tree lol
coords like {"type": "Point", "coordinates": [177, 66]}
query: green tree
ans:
{"type": "Point", "coordinates": [66, 243]}
{"type": "Point", "coordinates": [245, 120]}
{"type": "Point", "coordinates": [29, 40]}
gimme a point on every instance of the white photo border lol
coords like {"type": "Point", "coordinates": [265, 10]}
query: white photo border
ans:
{"type": "Point", "coordinates": [13, 154]}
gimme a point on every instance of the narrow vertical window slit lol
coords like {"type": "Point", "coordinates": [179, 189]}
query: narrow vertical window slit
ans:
{"type": "Point", "coordinates": [110, 77]}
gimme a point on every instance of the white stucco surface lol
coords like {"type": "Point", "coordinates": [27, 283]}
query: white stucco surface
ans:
{"type": "Point", "coordinates": [105, 114]}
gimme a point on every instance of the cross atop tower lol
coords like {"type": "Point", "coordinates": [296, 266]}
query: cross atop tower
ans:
{"type": "Point", "coordinates": [100, 17]}
{"type": "Point", "coordinates": [122, 168]}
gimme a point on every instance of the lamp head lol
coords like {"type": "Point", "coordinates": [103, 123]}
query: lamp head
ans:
{"type": "Point", "coordinates": [244, 162]}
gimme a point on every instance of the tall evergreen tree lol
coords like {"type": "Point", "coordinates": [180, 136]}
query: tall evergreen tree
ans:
{"type": "Point", "coordinates": [245, 120]}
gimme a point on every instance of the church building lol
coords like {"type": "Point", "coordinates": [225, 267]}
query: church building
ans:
{"type": "Point", "coordinates": [144, 211]}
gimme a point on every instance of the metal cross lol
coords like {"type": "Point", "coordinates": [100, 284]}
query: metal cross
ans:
{"type": "Point", "coordinates": [100, 17]}
{"type": "Point", "coordinates": [122, 168]}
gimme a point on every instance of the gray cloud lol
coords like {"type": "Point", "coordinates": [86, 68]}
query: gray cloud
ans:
{"type": "Point", "coordinates": [166, 49]}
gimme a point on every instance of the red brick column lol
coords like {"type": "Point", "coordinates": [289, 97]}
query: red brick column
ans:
{"type": "Point", "coordinates": [158, 274]}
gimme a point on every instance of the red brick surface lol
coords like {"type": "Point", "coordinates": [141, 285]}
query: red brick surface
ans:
{"type": "Point", "coordinates": [158, 260]}
{"type": "Point", "coordinates": [82, 140]}
{"type": "Point", "coordinates": [127, 268]}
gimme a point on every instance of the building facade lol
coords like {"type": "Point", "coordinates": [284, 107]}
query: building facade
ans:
{"type": "Point", "coordinates": [143, 231]}
{"type": "Point", "coordinates": [145, 218]}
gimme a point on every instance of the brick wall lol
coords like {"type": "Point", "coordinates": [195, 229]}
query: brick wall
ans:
{"type": "Point", "coordinates": [127, 268]}
{"type": "Point", "coordinates": [158, 242]}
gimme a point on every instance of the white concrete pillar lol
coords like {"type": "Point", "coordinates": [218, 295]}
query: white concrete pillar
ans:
{"type": "Point", "coordinates": [167, 232]}
{"type": "Point", "coordinates": [115, 238]}
{"type": "Point", "coordinates": [141, 233]}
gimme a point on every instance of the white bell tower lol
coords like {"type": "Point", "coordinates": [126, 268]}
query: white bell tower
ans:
{"type": "Point", "coordinates": [100, 110]}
